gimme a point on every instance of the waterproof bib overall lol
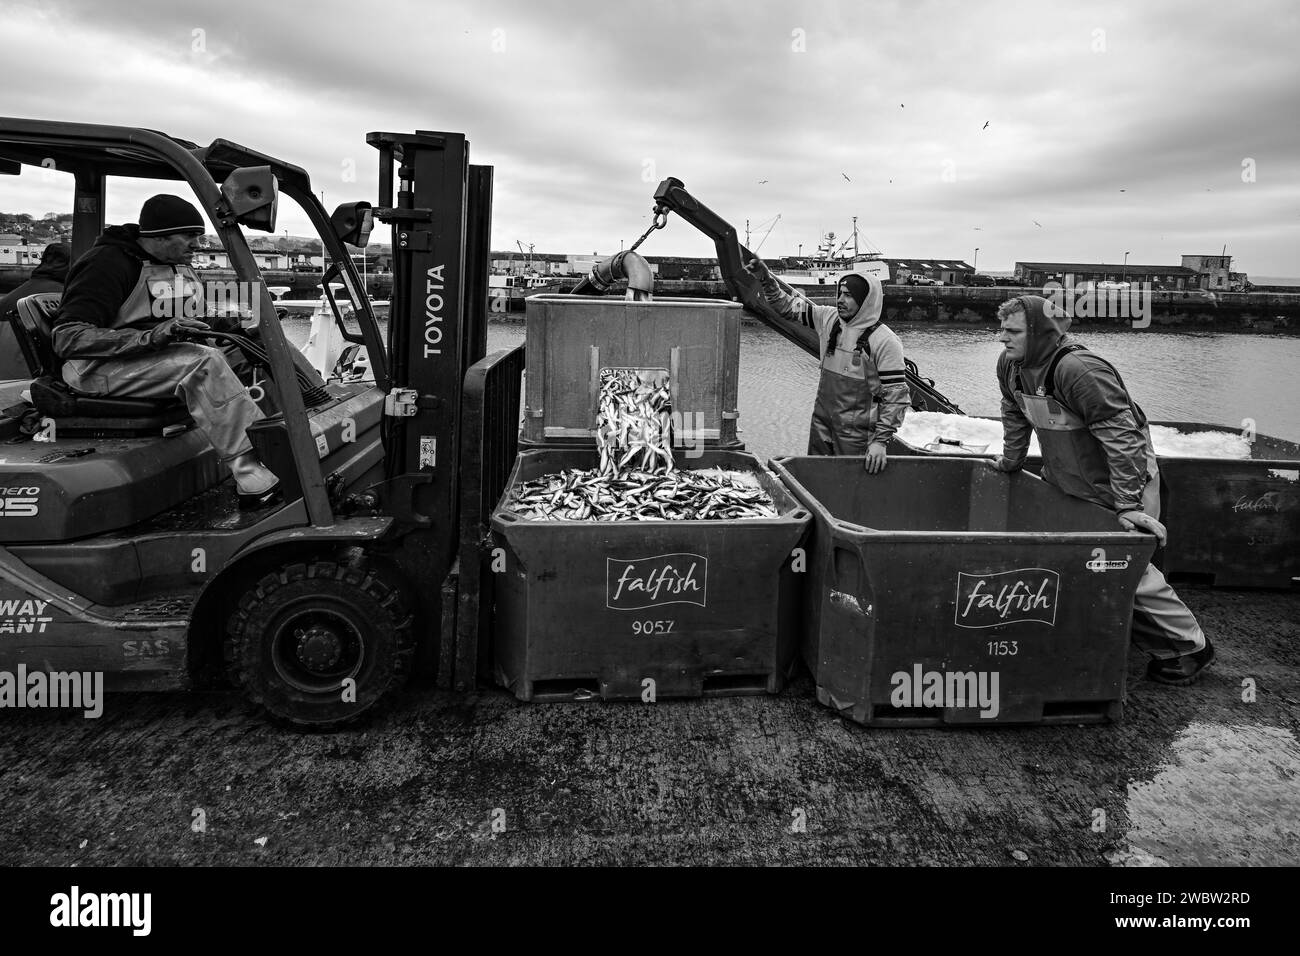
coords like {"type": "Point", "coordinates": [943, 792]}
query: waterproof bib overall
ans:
{"type": "Point", "coordinates": [1073, 459]}
{"type": "Point", "coordinates": [199, 375]}
{"type": "Point", "coordinates": [162, 292]}
{"type": "Point", "coordinates": [1071, 455]}
{"type": "Point", "coordinates": [845, 413]}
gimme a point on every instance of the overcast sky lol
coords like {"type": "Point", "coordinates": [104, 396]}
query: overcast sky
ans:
{"type": "Point", "coordinates": [1110, 127]}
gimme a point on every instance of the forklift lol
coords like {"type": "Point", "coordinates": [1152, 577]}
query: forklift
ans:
{"type": "Point", "coordinates": [122, 546]}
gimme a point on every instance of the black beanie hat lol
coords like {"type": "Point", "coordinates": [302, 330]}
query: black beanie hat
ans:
{"type": "Point", "coordinates": [163, 215]}
{"type": "Point", "coordinates": [857, 286]}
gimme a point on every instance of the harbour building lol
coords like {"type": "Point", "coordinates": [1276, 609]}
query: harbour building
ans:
{"type": "Point", "coordinates": [1208, 273]}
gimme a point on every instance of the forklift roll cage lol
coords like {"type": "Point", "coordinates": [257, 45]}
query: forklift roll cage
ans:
{"type": "Point", "coordinates": [384, 530]}
{"type": "Point", "coordinates": [93, 153]}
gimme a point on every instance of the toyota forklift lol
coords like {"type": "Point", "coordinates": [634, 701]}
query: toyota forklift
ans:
{"type": "Point", "coordinates": [123, 549]}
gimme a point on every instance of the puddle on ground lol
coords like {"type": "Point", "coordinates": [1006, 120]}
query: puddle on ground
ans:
{"type": "Point", "coordinates": [1229, 795]}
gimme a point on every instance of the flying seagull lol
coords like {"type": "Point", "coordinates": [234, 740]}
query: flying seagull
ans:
{"type": "Point", "coordinates": [1037, 223]}
{"type": "Point", "coordinates": [846, 177]}
{"type": "Point", "coordinates": [761, 181]}
{"type": "Point", "coordinates": [986, 125]}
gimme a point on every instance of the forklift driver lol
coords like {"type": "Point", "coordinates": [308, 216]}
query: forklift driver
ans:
{"type": "Point", "coordinates": [127, 302]}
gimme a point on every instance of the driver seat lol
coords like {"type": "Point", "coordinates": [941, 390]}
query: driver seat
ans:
{"type": "Point", "coordinates": [75, 414]}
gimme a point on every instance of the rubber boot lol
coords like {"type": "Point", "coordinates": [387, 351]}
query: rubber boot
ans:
{"type": "Point", "coordinates": [257, 484]}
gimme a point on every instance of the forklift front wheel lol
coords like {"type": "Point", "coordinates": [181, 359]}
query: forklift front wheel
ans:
{"type": "Point", "coordinates": [320, 644]}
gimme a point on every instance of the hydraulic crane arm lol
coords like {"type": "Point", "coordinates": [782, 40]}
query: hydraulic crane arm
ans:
{"type": "Point", "coordinates": [671, 196]}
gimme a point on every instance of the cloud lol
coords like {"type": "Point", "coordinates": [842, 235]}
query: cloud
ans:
{"type": "Point", "coordinates": [581, 107]}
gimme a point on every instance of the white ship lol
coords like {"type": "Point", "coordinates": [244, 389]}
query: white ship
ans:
{"type": "Point", "coordinates": [531, 284]}
{"type": "Point", "coordinates": [833, 261]}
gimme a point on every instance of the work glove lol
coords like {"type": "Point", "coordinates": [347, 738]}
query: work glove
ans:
{"type": "Point", "coordinates": [1139, 520]}
{"type": "Point", "coordinates": [231, 320]}
{"type": "Point", "coordinates": [1005, 465]}
{"type": "Point", "coordinates": [165, 333]}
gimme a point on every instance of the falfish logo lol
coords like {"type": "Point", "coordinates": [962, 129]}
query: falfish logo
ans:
{"type": "Point", "coordinates": [678, 578]}
{"type": "Point", "coordinates": [1008, 597]}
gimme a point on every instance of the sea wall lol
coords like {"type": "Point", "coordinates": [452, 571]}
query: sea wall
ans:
{"type": "Point", "coordinates": [1261, 311]}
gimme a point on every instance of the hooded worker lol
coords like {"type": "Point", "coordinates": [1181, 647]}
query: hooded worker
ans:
{"type": "Point", "coordinates": [129, 302]}
{"type": "Point", "coordinates": [49, 276]}
{"type": "Point", "coordinates": [1096, 445]}
{"type": "Point", "coordinates": [862, 394]}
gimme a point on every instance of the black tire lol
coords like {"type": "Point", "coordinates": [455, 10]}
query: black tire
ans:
{"type": "Point", "coordinates": [300, 631]}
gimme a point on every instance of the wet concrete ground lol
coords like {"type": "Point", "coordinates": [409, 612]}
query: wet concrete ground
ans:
{"type": "Point", "coordinates": [1191, 776]}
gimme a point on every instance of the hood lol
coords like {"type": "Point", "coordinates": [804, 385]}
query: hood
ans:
{"type": "Point", "coordinates": [123, 237]}
{"type": "Point", "coordinates": [841, 330]}
{"type": "Point", "coordinates": [868, 313]}
{"type": "Point", "coordinates": [1044, 329]}
{"type": "Point", "coordinates": [54, 263]}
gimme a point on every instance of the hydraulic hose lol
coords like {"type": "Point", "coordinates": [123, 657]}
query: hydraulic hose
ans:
{"type": "Point", "coordinates": [627, 265]}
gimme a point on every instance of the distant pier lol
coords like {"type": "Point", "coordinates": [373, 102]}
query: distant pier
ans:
{"type": "Point", "coordinates": [950, 304]}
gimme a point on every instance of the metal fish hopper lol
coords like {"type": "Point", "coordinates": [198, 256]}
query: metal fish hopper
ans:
{"type": "Point", "coordinates": [572, 340]}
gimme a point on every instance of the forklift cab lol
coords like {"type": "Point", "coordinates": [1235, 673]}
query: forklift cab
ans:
{"type": "Point", "coordinates": [125, 553]}
{"type": "Point", "coordinates": [236, 188]}
{"type": "Point", "coordinates": [122, 547]}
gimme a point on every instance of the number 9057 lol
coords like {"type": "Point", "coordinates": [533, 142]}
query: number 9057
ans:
{"type": "Point", "coordinates": [651, 627]}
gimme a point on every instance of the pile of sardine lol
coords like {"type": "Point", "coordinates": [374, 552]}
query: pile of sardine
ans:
{"type": "Point", "coordinates": [636, 479]}
{"type": "Point", "coordinates": [633, 423]}
{"type": "Point", "coordinates": [707, 494]}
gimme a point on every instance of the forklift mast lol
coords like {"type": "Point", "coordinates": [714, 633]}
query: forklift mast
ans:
{"type": "Point", "coordinates": [437, 328]}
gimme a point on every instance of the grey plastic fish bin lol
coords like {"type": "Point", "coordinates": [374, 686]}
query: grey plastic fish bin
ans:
{"type": "Point", "coordinates": [1233, 522]}
{"type": "Point", "coordinates": [683, 608]}
{"type": "Point", "coordinates": [569, 338]}
{"type": "Point", "coordinates": [942, 592]}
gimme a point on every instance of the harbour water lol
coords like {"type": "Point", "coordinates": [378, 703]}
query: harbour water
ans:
{"type": "Point", "coordinates": [1219, 377]}
{"type": "Point", "coordinates": [1222, 378]}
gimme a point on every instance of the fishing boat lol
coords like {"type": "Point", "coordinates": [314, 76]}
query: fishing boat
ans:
{"type": "Point", "coordinates": [507, 292]}
{"type": "Point", "coordinates": [531, 284]}
{"type": "Point", "coordinates": [833, 261]}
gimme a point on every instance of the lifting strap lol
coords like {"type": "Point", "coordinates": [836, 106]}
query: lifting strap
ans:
{"type": "Point", "coordinates": [1049, 380]}
{"type": "Point", "coordinates": [863, 344]}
